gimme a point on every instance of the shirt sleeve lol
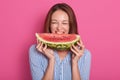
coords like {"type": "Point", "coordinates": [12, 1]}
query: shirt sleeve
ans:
{"type": "Point", "coordinates": [35, 60]}
{"type": "Point", "coordinates": [84, 65]}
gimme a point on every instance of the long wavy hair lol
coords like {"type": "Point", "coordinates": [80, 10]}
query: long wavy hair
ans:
{"type": "Point", "coordinates": [72, 18]}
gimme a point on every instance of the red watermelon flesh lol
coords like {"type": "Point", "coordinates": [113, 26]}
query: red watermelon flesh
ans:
{"type": "Point", "coordinates": [58, 41]}
{"type": "Point", "coordinates": [58, 37]}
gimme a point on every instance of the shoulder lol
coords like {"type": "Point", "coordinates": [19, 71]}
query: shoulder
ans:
{"type": "Point", "coordinates": [86, 56]}
{"type": "Point", "coordinates": [85, 64]}
{"type": "Point", "coordinates": [36, 58]}
{"type": "Point", "coordinates": [87, 53]}
{"type": "Point", "coordinates": [32, 50]}
{"type": "Point", "coordinates": [34, 54]}
{"type": "Point", "coordinates": [32, 47]}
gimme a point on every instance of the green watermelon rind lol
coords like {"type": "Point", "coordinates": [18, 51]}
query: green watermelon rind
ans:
{"type": "Point", "coordinates": [58, 45]}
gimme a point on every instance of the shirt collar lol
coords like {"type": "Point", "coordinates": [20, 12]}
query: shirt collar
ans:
{"type": "Point", "coordinates": [66, 59]}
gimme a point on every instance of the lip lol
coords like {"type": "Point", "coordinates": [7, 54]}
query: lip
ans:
{"type": "Point", "coordinates": [59, 32]}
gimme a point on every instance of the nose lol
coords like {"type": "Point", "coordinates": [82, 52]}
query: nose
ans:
{"type": "Point", "coordinates": [59, 26]}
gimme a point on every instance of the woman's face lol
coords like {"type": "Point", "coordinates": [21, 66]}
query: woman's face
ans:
{"type": "Point", "coordinates": [59, 22]}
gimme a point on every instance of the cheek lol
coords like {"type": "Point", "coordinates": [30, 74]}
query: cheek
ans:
{"type": "Point", "coordinates": [66, 28]}
{"type": "Point", "coordinates": [52, 28]}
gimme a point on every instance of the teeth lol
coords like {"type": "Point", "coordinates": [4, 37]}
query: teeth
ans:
{"type": "Point", "coordinates": [59, 32]}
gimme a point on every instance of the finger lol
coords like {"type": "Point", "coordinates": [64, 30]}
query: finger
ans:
{"type": "Point", "coordinates": [37, 41]}
{"type": "Point", "coordinates": [38, 45]}
{"type": "Point", "coordinates": [41, 45]}
{"type": "Point", "coordinates": [45, 47]}
{"type": "Point", "coordinates": [80, 49]}
{"type": "Point", "coordinates": [78, 54]}
{"type": "Point", "coordinates": [80, 46]}
{"type": "Point", "coordinates": [74, 51]}
{"type": "Point", "coordinates": [40, 48]}
{"type": "Point", "coordinates": [80, 41]}
{"type": "Point", "coordinates": [73, 55]}
{"type": "Point", "coordinates": [75, 48]}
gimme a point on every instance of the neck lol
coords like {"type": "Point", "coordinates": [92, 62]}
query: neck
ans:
{"type": "Point", "coordinates": [62, 54]}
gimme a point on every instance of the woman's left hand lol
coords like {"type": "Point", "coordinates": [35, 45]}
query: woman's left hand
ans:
{"type": "Point", "coordinates": [78, 51]}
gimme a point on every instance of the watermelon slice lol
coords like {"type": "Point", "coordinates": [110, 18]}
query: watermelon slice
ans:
{"type": "Point", "coordinates": [58, 41]}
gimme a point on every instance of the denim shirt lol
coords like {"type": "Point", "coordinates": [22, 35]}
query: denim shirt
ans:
{"type": "Point", "coordinates": [62, 69]}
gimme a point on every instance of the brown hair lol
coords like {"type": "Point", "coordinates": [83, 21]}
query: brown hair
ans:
{"type": "Point", "coordinates": [72, 18]}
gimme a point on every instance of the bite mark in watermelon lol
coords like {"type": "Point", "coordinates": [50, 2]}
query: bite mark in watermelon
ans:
{"type": "Point", "coordinates": [58, 41]}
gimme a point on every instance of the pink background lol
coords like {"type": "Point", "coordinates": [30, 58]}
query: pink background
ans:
{"type": "Point", "coordinates": [99, 27]}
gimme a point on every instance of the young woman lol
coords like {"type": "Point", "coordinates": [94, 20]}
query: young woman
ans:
{"type": "Point", "coordinates": [50, 64]}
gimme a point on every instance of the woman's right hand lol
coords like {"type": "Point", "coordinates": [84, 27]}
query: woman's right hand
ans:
{"type": "Point", "coordinates": [45, 50]}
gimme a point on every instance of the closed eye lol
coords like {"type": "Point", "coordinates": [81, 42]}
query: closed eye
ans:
{"type": "Point", "coordinates": [53, 22]}
{"type": "Point", "coordinates": [65, 23]}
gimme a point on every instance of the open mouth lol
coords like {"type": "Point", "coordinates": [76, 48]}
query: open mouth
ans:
{"type": "Point", "coordinates": [59, 32]}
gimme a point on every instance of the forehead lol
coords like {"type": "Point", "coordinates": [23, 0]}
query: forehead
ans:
{"type": "Point", "coordinates": [59, 15]}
